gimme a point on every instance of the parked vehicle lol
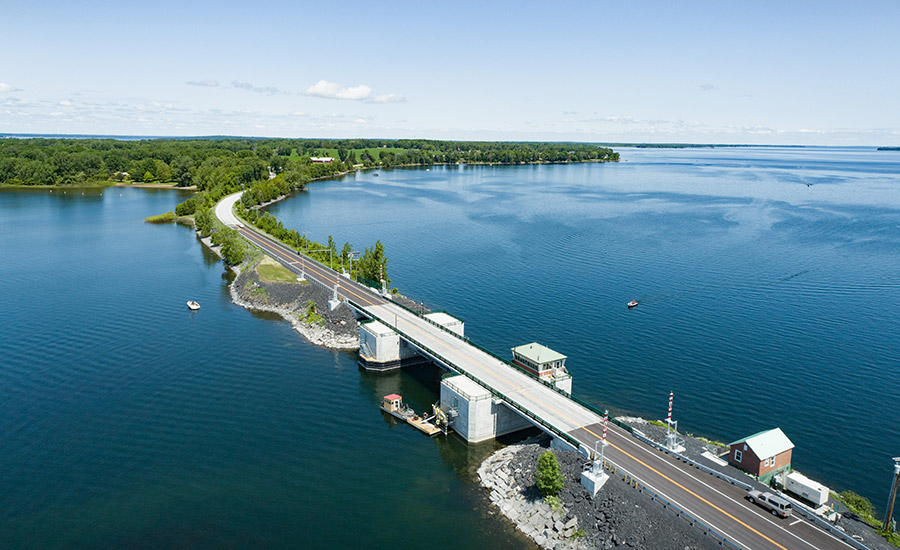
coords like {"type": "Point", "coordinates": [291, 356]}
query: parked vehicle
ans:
{"type": "Point", "coordinates": [774, 503]}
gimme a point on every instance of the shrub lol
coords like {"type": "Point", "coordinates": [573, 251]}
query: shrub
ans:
{"type": "Point", "coordinates": [162, 218]}
{"type": "Point", "coordinates": [857, 504]}
{"type": "Point", "coordinates": [547, 477]}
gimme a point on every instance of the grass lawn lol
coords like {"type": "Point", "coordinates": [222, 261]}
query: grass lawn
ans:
{"type": "Point", "coordinates": [271, 271]}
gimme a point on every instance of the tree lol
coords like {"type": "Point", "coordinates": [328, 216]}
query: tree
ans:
{"type": "Point", "coordinates": [181, 171]}
{"type": "Point", "coordinates": [203, 220]}
{"type": "Point", "coordinates": [232, 246]}
{"type": "Point", "coordinates": [547, 476]}
{"type": "Point", "coordinates": [373, 263]}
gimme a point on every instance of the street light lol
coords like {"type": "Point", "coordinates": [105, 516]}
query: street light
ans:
{"type": "Point", "coordinates": [890, 507]}
{"type": "Point", "coordinates": [351, 256]}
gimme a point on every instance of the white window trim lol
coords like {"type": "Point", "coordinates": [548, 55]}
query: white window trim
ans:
{"type": "Point", "coordinates": [737, 455]}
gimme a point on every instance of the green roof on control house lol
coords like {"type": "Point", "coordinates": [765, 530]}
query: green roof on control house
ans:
{"type": "Point", "coordinates": [538, 353]}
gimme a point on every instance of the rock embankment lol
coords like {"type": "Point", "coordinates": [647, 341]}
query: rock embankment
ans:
{"type": "Point", "coordinates": [619, 516]}
{"type": "Point", "coordinates": [338, 329]}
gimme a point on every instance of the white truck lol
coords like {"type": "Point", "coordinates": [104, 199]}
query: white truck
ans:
{"type": "Point", "coordinates": [775, 504]}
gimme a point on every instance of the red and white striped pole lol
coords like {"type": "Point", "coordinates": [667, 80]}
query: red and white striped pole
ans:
{"type": "Point", "coordinates": [669, 418]}
{"type": "Point", "coordinates": [603, 440]}
{"type": "Point", "coordinates": [605, 421]}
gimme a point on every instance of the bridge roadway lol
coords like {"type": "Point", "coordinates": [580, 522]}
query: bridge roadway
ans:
{"type": "Point", "coordinates": [712, 501]}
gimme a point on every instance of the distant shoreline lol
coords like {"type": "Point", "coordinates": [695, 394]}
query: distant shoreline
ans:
{"type": "Point", "coordinates": [100, 186]}
{"type": "Point", "coordinates": [641, 145]}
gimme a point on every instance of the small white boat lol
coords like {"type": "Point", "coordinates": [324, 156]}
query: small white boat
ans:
{"type": "Point", "coordinates": [192, 305]}
{"type": "Point", "coordinates": [632, 304]}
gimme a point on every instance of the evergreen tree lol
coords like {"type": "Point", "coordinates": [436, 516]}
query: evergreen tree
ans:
{"type": "Point", "coordinates": [547, 477]}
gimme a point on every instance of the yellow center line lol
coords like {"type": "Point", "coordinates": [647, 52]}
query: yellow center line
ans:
{"type": "Point", "coordinates": [563, 415]}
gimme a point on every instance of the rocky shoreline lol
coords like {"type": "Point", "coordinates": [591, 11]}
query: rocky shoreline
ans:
{"type": "Point", "coordinates": [339, 329]}
{"type": "Point", "coordinates": [619, 516]}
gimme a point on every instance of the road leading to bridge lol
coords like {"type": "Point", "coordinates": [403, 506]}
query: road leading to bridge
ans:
{"type": "Point", "coordinates": [714, 502]}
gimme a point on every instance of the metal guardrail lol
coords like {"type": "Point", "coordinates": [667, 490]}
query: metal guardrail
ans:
{"type": "Point", "coordinates": [681, 457]}
{"type": "Point", "coordinates": [635, 482]}
{"type": "Point", "coordinates": [833, 530]}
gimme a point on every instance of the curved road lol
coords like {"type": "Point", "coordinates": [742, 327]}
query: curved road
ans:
{"type": "Point", "coordinates": [712, 501]}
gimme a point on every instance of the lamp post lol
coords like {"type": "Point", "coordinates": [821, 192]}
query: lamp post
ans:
{"type": "Point", "coordinates": [890, 506]}
{"type": "Point", "coordinates": [352, 255]}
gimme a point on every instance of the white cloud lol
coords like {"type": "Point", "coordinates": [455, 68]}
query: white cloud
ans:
{"type": "Point", "coordinates": [708, 87]}
{"type": "Point", "coordinates": [332, 90]}
{"type": "Point", "coordinates": [268, 90]}
{"type": "Point", "coordinates": [4, 87]}
{"type": "Point", "coordinates": [298, 113]}
{"type": "Point", "coordinates": [205, 83]}
{"type": "Point", "coordinates": [66, 103]}
{"type": "Point", "coordinates": [388, 98]}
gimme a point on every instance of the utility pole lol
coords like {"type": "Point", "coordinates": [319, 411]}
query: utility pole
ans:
{"type": "Point", "coordinates": [890, 506]}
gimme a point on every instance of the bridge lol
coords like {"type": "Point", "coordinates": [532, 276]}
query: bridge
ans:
{"type": "Point", "coordinates": [715, 503]}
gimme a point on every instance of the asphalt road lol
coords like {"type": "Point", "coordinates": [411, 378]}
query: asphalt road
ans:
{"type": "Point", "coordinates": [714, 502]}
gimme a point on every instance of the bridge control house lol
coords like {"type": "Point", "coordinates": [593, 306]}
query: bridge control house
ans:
{"type": "Point", "coordinates": [542, 361]}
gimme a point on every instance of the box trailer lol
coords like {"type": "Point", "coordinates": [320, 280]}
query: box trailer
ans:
{"type": "Point", "coordinates": [807, 489]}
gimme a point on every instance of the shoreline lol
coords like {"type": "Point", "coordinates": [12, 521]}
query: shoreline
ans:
{"type": "Point", "coordinates": [98, 185]}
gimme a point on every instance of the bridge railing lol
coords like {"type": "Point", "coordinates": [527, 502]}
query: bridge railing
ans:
{"type": "Point", "coordinates": [509, 401]}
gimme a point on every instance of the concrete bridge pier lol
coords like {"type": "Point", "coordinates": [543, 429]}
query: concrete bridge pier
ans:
{"type": "Point", "coordinates": [479, 415]}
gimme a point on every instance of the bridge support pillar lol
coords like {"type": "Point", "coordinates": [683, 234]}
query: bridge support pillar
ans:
{"type": "Point", "coordinates": [382, 349]}
{"type": "Point", "coordinates": [479, 415]}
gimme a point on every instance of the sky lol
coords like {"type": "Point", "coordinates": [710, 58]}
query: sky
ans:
{"type": "Point", "coordinates": [787, 72]}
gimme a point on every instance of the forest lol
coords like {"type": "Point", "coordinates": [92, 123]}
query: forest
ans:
{"type": "Point", "coordinates": [210, 162]}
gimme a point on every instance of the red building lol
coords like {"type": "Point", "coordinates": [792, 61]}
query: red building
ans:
{"type": "Point", "coordinates": [762, 454]}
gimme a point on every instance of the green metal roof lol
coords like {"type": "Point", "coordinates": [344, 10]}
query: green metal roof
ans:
{"type": "Point", "coordinates": [538, 353]}
{"type": "Point", "coordinates": [766, 443]}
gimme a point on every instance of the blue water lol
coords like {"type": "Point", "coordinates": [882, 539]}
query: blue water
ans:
{"type": "Point", "coordinates": [769, 283]}
{"type": "Point", "coordinates": [128, 421]}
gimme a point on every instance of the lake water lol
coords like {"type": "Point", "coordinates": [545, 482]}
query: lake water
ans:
{"type": "Point", "coordinates": [126, 420]}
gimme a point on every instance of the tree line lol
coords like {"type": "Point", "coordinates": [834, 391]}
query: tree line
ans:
{"type": "Point", "coordinates": [206, 163]}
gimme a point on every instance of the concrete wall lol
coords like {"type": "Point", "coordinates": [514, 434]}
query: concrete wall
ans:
{"type": "Point", "coordinates": [480, 416]}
